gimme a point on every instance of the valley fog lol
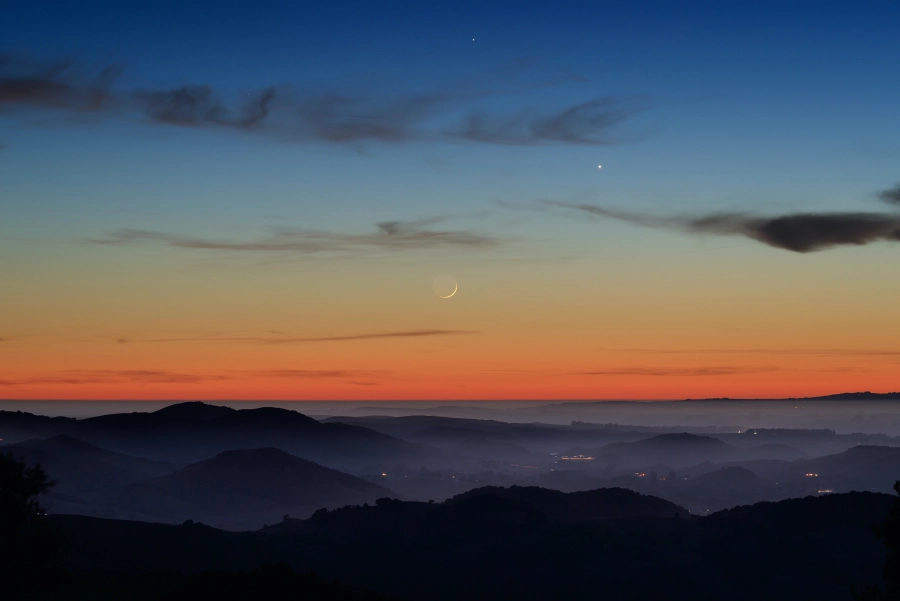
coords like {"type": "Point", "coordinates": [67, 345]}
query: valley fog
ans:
{"type": "Point", "coordinates": [163, 462]}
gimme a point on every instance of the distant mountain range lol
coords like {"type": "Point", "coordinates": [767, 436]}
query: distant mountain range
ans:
{"type": "Point", "coordinates": [858, 396]}
{"type": "Point", "coordinates": [487, 438]}
{"type": "Point", "coordinates": [841, 396]}
{"type": "Point", "coordinates": [188, 432]}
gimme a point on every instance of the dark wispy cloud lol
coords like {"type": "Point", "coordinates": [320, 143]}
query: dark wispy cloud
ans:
{"type": "Point", "coordinates": [450, 113]}
{"type": "Point", "coordinates": [677, 371]}
{"type": "Point", "coordinates": [891, 196]}
{"type": "Point", "coordinates": [388, 236]}
{"type": "Point", "coordinates": [56, 84]}
{"type": "Point", "coordinates": [797, 232]}
{"type": "Point", "coordinates": [590, 122]}
{"type": "Point", "coordinates": [352, 118]}
{"type": "Point", "coordinates": [198, 106]}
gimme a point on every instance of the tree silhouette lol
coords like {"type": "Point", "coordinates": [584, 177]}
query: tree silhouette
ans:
{"type": "Point", "coordinates": [30, 547]}
{"type": "Point", "coordinates": [889, 533]}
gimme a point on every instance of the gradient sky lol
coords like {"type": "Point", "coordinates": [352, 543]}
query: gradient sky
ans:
{"type": "Point", "coordinates": [203, 201]}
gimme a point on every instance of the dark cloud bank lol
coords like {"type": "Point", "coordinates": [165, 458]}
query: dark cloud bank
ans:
{"type": "Point", "coordinates": [313, 115]}
{"type": "Point", "coordinates": [797, 232]}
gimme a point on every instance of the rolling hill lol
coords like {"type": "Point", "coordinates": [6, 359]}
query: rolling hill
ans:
{"type": "Point", "coordinates": [243, 489]}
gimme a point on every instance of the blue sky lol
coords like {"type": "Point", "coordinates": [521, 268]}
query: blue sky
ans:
{"type": "Point", "coordinates": [786, 104]}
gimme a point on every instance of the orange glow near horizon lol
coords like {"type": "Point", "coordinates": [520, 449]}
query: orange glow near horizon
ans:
{"type": "Point", "coordinates": [766, 325]}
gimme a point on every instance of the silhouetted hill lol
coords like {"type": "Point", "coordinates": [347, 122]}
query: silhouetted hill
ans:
{"type": "Point", "coordinates": [772, 451]}
{"type": "Point", "coordinates": [602, 503]}
{"type": "Point", "coordinates": [195, 410]}
{"type": "Point", "coordinates": [864, 467]}
{"type": "Point", "coordinates": [21, 425]}
{"type": "Point", "coordinates": [726, 478]}
{"type": "Point", "coordinates": [857, 396]}
{"type": "Point", "coordinates": [244, 489]}
{"type": "Point", "coordinates": [487, 546]}
{"type": "Point", "coordinates": [189, 432]}
{"type": "Point", "coordinates": [669, 449]}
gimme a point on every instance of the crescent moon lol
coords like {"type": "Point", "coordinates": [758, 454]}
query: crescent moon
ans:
{"type": "Point", "coordinates": [445, 286]}
{"type": "Point", "coordinates": [455, 288]}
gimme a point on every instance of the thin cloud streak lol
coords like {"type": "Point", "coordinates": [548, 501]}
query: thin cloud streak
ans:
{"type": "Point", "coordinates": [677, 371]}
{"type": "Point", "coordinates": [408, 334]}
{"type": "Point", "coordinates": [292, 340]}
{"type": "Point", "coordinates": [84, 377]}
{"type": "Point", "coordinates": [319, 374]}
{"type": "Point", "coordinates": [449, 114]}
{"type": "Point", "coordinates": [389, 236]}
{"type": "Point", "coordinates": [112, 377]}
{"type": "Point", "coordinates": [834, 352]}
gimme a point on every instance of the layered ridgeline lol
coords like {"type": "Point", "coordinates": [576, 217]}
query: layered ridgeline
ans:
{"type": "Point", "coordinates": [708, 475]}
{"type": "Point", "coordinates": [516, 543]}
{"type": "Point", "coordinates": [81, 469]}
{"type": "Point", "coordinates": [237, 490]}
{"type": "Point", "coordinates": [682, 449]}
{"type": "Point", "coordinates": [459, 434]}
{"type": "Point", "coordinates": [188, 432]}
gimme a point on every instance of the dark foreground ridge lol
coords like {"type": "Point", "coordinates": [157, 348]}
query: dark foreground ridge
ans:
{"type": "Point", "coordinates": [518, 543]}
